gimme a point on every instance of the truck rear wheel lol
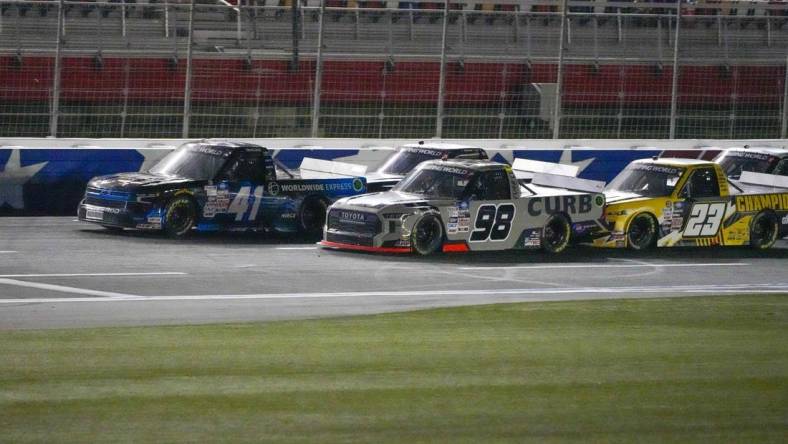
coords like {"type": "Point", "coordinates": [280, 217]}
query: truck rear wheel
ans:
{"type": "Point", "coordinates": [427, 235]}
{"type": "Point", "coordinates": [642, 232]}
{"type": "Point", "coordinates": [179, 217]}
{"type": "Point", "coordinates": [312, 216]}
{"type": "Point", "coordinates": [556, 234]}
{"type": "Point", "coordinates": [764, 229]}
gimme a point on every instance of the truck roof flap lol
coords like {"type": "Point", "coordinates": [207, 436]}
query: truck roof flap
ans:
{"type": "Point", "coordinates": [570, 183]}
{"type": "Point", "coordinates": [536, 166]}
{"type": "Point", "coordinates": [769, 180]}
{"type": "Point", "coordinates": [316, 167]}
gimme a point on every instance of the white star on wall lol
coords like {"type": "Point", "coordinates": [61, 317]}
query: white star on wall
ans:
{"type": "Point", "coordinates": [566, 159]}
{"type": "Point", "coordinates": [13, 177]}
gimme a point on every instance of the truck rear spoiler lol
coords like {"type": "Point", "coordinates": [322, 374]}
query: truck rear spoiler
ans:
{"type": "Point", "coordinates": [570, 183]}
{"type": "Point", "coordinates": [318, 167]}
{"type": "Point", "coordinates": [526, 168]}
{"type": "Point", "coordinates": [768, 180]}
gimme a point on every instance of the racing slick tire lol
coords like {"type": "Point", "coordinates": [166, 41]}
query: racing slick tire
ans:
{"type": "Point", "coordinates": [764, 230]}
{"type": "Point", "coordinates": [180, 216]}
{"type": "Point", "coordinates": [556, 234]}
{"type": "Point", "coordinates": [427, 235]}
{"type": "Point", "coordinates": [642, 232]}
{"type": "Point", "coordinates": [312, 216]}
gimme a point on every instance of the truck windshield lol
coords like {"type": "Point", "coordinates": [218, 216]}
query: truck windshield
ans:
{"type": "Point", "coordinates": [735, 162]}
{"type": "Point", "coordinates": [406, 159]}
{"type": "Point", "coordinates": [436, 181]}
{"type": "Point", "coordinates": [198, 162]}
{"type": "Point", "coordinates": [646, 180]}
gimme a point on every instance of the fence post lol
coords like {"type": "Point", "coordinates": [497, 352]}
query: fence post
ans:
{"type": "Point", "coordinates": [54, 109]}
{"type": "Point", "coordinates": [675, 81]}
{"type": "Point", "coordinates": [294, 14]}
{"type": "Point", "coordinates": [559, 74]}
{"type": "Point", "coordinates": [784, 126]}
{"type": "Point", "coordinates": [318, 72]}
{"type": "Point", "coordinates": [442, 81]}
{"type": "Point", "coordinates": [784, 120]}
{"type": "Point", "coordinates": [187, 89]}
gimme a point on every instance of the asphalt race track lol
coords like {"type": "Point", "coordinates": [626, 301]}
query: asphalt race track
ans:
{"type": "Point", "coordinates": [57, 272]}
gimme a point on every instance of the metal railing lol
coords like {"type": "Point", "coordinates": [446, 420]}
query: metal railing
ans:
{"type": "Point", "coordinates": [669, 37]}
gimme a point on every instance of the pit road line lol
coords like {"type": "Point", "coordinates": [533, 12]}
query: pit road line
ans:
{"type": "Point", "coordinates": [678, 289]}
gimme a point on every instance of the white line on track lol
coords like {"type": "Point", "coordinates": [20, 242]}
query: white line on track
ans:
{"type": "Point", "coordinates": [565, 266]}
{"type": "Point", "coordinates": [673, 290]}
{"type": "Point", "coordinates": [8, 251]}
{"type": "Point", "coordinates": [62, 289]}
{"type": "Point", "coordinates": [155, 273]}
{"type": "Point", "coordinates": [296, 248]}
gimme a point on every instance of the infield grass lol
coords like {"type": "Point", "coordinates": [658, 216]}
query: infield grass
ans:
{"type": "Point", "coordinates": [705, 369]}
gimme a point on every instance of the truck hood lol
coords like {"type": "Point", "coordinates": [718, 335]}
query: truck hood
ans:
{"type": "Point", "coordinates": [392, 198]}
{"type": "Point", "coordinates": [376, 176]}
{"type": "Point", "coordinates": [131, 182]}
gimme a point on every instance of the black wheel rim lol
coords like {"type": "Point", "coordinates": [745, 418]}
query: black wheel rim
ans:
{"type": "Point", "coordinates": [180, 218]}
{"type": "Point", "coordinates": [427, 236]}
{"type": "Point", "coordinates": [426, 232]}
{"type": "Point", "coordinates": [554, 233]}
{"type": "Point", "coordinates": [640, 231]}
{"type": "Point", "coordinates": [763, 231]}
{"type": "Point", "coordinates": [312, 218]}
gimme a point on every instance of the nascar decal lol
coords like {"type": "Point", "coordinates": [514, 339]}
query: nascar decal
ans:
{"type": "Point", "coordinates": [493, 222]}
{"type": "Point", "coordinates": [667, 217]}
{"type": "Point", "coordinates": [217, 200]}
{"type": "Point", "coordinates": [459, 219]}
{"type": "Point", "coordinates": [532, 238]}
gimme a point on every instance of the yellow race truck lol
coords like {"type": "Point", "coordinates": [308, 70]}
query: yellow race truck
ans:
{"type": "Point", "coordinates": [686, 202]}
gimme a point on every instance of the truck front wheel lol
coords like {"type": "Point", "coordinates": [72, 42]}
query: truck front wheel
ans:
{"type": "Point", "coordinates": [179, 217]}
{"type": "Point", "coordinates": [642, 232]}
{"type": "Point", "coordinates": [427, 235]}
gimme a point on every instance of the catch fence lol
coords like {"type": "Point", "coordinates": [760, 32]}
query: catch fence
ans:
{"type": "Point", "coordinates": [469, 69]}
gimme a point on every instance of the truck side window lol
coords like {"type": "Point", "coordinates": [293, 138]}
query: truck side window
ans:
{"type": "Point", "coordinates": [248, 166]}
{"type": "Point", "coordinates": [495, 185]}
{"type": "Point", "coordinates": [703, 183]}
